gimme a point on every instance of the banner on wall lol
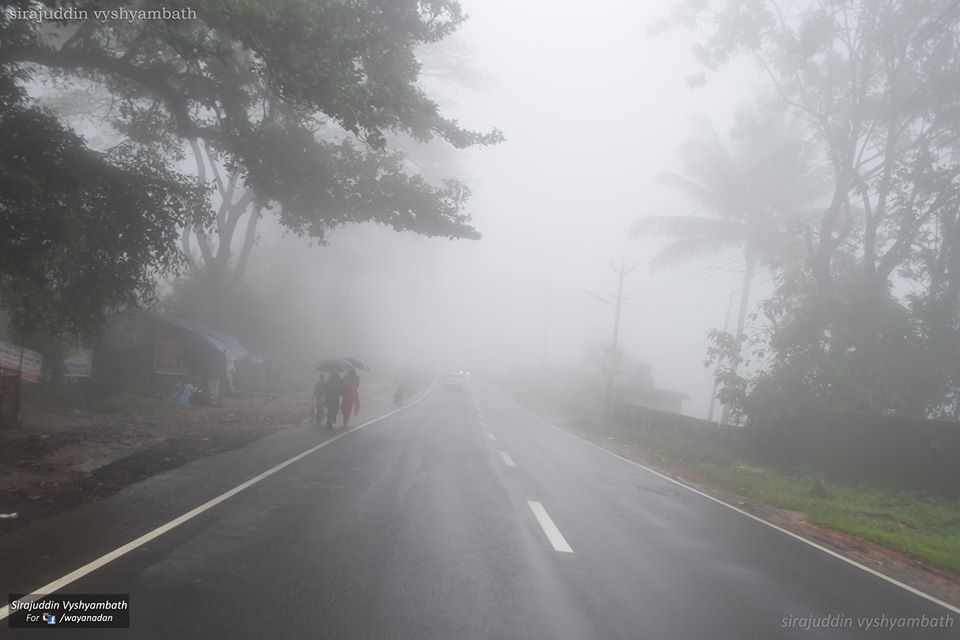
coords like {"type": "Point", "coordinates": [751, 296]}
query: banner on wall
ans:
{"type": "Point", "coordinates": [32, 362]}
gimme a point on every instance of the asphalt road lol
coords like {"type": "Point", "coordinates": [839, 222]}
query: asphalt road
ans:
{"type": "Point", "coordinates": [461, 516]}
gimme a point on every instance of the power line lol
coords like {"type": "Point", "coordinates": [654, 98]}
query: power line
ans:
{"type": "Point", "coordinates": [771, 249]}
{"type": "Point", "coordinates": [727, 293]}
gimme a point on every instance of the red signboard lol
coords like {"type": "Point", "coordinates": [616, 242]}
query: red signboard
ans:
{"type": "Point", "coordinates": [29, 363]}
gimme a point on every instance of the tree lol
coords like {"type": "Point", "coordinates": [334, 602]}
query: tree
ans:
{"type": "Point", "coordinates": [219, 267]}
{"type": "Point", "coordinates": [258, 81]}
{"type": "Point", "coordinates": [757, 196]}
{"type": "Point", "coordinates": [294, 97]}
{"type": "Point", "coordinates": [875, 82]}
{"type": "Point", "coordinates": [84, 232]}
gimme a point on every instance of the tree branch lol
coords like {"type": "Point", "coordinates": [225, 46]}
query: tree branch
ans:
{"type": "Point", "coordinates": [158, 79]}
{"type": "Point", "coordinates": [202, 240]}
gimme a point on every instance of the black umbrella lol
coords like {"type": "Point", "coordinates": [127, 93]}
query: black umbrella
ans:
{"type": "Point", "coordinates": [340, 365]}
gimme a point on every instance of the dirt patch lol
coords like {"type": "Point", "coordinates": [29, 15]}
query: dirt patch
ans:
{"type": "Point", "coordinates": [56, 459]}
{"type": "Point", "coordinates": [899, 566]}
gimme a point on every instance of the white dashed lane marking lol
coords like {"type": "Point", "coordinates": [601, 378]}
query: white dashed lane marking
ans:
{"type": "Point", "coordinates": [546, 523]}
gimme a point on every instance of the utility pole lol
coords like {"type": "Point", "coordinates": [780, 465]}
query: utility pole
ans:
{"type": "Point", "coordinates": [612, 359]}
{"type": "Point", "coordinates": [726, 327]}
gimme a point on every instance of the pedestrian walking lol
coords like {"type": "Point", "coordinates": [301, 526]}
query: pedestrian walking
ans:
{"type": "Point", "coordinates": [350, 406]}
{"type": "Point", "coordinates": [332, 394]}
{"type": "Point", "coordinates": [319, 400]}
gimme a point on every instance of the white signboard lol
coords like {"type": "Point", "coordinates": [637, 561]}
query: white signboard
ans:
{"type": "Point", "coordinates": [78, 363]}
{"type": "Point", "coordinates": [32, 362]}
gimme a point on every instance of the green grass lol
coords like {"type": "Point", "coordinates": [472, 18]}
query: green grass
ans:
{"type": "Point", "coordinates": [924, 527]}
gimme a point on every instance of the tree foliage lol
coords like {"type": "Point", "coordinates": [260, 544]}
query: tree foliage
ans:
{"type": "Point", "coordinates": [83, 232]}
{"type": "Point", "coordinates": [755, 195]}
{"type": "Point", "coordinates": [874, 82]}
{"type": "Point", "coordinates": [295, 97]}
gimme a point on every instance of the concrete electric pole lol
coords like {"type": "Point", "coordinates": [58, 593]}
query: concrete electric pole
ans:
{"type": "Point", "coordinates": [612, 359]}
{"type": "Point", "coordinates": [614, 364]}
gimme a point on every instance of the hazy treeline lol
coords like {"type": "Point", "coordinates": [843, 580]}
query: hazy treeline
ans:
{"type": "Point", "coordinates": [842, 189]}
{"type": "Point", "coordinates": [139, 152]}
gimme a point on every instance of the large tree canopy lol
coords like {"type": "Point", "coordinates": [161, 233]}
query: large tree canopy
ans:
{"type": "Point", "coordinates": [296, 97]}
{"type": "Point", "coordinates": [874, 82]}
{"type": "Point", "coordinates": [82, 231]}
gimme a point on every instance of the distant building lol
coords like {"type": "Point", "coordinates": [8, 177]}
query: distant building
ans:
{"type": "Point", "coordinates": [633, 382]}
{"type": "Point", "coordinates": [659, 399]}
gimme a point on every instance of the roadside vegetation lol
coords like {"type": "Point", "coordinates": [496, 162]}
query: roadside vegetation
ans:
{"type": "Point", "coordinates": [924, 527]}
{"type": "Point", "coordinates": [847, 209]}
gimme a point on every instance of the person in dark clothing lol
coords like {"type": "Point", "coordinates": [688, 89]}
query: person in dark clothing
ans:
{"type": "Point", "coordinates": [332, 393]}
{"type": "Point", "coordinates": [319, 400]}
{"type": "Point", "coordinates": [350, 406]}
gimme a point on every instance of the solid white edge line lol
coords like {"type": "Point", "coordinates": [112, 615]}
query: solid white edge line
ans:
{"type": "Point", "coordinates": [105, 559]}
{"type": "Point", "coordinates": [793, 535]}
{"type": "Point", "coordinates": [507, 460]}
{"type": "Point", "coordinates": [546, 523]}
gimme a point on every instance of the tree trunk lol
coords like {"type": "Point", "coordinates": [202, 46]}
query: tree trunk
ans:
{"type": "Point", "coordinates": [716, 383]}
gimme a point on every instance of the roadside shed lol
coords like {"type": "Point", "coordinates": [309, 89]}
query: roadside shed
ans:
{"type": "Point", "coordinates": [158, 350]}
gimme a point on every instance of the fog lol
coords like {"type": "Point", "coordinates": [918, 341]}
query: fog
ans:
{"type": "Point", "coordinates": [480, 318]}
{"type": "Point", "coordinates": [593, 109]}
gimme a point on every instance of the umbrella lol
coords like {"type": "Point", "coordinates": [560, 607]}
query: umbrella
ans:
{"type": "Point", "coordinates": [356, 364]}
{"type": "Point", "coordinates": [340, 365]}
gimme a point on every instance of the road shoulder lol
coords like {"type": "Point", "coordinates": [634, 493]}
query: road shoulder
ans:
{"type": "Point", "coordinates": [939, 583]}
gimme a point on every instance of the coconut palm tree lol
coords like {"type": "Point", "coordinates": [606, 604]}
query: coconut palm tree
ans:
{"type": "Point", "coordinates": [758, 197]}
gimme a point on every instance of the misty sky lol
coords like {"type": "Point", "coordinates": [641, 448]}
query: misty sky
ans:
{"type": "Point", "coordinates": [593, 109]}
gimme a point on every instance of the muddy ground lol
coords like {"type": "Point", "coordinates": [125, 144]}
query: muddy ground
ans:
{"type": "Point", "coordinates": [58, 458]}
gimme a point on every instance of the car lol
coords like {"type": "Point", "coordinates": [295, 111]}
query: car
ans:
{"type": "Point", "coordinates": [453, 382]}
